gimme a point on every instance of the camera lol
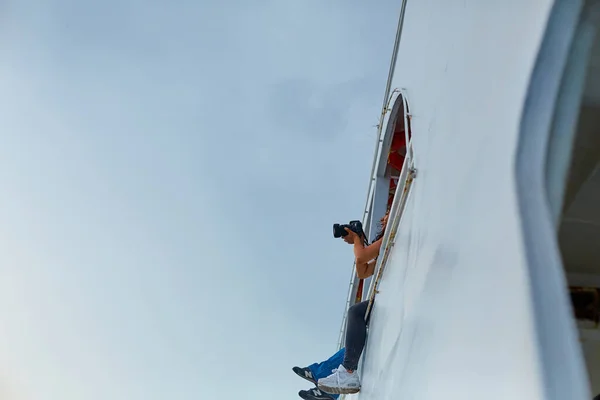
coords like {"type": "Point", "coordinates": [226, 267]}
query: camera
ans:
{"type": "Point", "coordinates": [355, 226]}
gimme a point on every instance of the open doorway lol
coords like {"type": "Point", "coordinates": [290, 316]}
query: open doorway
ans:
{"type": "Point", "coordinates": [398, 150]}
{"type": "Point", "coordinates": [394, 150]}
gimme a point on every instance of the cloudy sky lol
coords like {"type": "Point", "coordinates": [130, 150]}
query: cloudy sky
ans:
{"type": "Point", "coordinates": [169, 174]}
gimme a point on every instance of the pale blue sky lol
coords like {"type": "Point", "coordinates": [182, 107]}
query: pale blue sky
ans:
{"type": "Point", "coordinates": [170, 171]}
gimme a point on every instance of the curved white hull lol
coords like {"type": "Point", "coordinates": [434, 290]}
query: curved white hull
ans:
{"type": "Point", "coordinates": [454, 316]}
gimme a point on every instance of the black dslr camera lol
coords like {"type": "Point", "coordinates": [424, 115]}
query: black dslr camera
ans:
{"type": "Point", "coordinates": [355, 226]}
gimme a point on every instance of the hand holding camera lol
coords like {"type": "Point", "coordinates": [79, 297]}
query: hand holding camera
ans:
{"type": "Point", "coordinates": [349, 232]}
{"type": "Point", "coordinates": [351, 237]}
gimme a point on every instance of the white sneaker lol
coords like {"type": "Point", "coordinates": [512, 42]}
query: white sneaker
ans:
{"type": "Point", "coordinates": [340, 382]}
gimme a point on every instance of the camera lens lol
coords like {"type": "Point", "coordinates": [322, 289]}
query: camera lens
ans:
{"type": "Point", "coordinates": [339, 231]}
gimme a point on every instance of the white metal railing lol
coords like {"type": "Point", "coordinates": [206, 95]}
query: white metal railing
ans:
{"type": "Point", "coordinates": [407, 174]}
{"type": "Point", "coordinates": [368, 206]}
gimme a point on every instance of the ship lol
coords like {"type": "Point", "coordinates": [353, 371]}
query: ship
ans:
{"type": "Point", "coordinates": [487, 158]}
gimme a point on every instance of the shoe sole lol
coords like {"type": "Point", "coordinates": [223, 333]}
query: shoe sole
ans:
{"type": "Point", "coordinates": [337, 390]}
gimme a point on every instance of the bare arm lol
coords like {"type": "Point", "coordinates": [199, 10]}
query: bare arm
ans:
{"type": "Point", "coordinates": [365, 254]}
{"type": "Point", "coordinates": [365, 270]}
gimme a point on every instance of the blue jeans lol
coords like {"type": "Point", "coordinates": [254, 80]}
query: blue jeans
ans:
{"type": "Point", "coordinates": [324, 368]}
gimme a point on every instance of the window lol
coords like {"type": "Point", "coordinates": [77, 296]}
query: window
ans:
{"type": "Point", "coordinates": [579, 218]}
{"type": "Point", "coordinates": [558, 187]}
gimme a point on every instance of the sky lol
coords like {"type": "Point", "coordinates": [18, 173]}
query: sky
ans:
{"type": "Point", "coordinates": [169, 173]}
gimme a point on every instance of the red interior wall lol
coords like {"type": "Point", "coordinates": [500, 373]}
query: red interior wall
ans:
{"type": "Point", "coordinates": [396, 157]}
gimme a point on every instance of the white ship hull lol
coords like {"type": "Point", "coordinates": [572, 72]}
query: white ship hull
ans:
{"type": "Point", "coordinates": [473, 299]}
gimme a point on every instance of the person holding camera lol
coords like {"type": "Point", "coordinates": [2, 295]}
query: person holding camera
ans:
{"type": "Point", "coordinates": [344, 379]}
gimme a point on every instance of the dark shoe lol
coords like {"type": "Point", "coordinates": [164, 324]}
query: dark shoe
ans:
{"type": "Point", "coordinates": [314, 394]}
{"type": "Point", "coordinates": [304, 373]}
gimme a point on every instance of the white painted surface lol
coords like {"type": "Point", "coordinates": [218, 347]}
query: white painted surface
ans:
{"type": "Point", "coordinates": [453, 319]}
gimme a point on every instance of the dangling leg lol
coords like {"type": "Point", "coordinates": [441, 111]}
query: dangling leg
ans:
{"type": "Point", "coordinates": [345, 380]}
